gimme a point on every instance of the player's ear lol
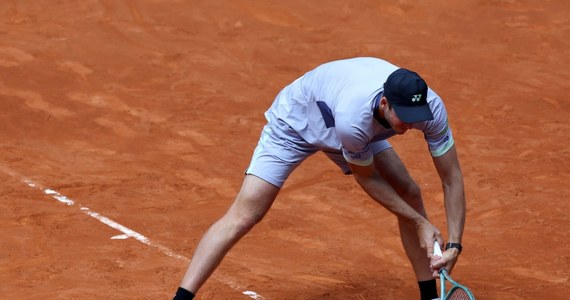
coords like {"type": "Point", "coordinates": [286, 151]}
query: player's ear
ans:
{"type": "Point", "coordinates": [384, 103]}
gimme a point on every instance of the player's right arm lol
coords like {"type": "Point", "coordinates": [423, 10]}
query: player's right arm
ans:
{"type": "Point", "coordinates": [355, 139]}
{"type": "Point", "coordinates": [376, 187]}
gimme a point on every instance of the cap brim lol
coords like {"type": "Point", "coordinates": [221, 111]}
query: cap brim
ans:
{"type": "Point", "coordinates": [413, 114]}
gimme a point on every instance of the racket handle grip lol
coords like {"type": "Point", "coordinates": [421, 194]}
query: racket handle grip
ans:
{"type": "Point", "coordinates": [437, 249]}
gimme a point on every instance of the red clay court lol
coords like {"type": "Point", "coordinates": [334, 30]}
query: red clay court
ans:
{"type": "Point", "coordinates": [126, 127]}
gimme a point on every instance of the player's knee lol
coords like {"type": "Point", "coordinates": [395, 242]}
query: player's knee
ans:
{"type": "Point", "coordinates": [248, 210]}
{"type": "Point", "coordinates": [245, 222]}
{"type": "Point", "coordinates": [413, 196]}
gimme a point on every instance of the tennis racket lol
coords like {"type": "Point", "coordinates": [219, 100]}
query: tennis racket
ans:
{"type": "Point", "coordinates": [456, 291]}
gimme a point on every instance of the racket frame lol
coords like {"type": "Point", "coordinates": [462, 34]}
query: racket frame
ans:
{"type": "Point", "coordinates": [444, 276]}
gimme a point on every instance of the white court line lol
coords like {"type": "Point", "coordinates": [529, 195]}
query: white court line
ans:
{"type": "Point", "coordinates": [126, 231]}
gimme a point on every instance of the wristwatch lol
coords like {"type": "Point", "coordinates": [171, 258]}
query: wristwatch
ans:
{"type": "Point", "coordinates": [454, 245]}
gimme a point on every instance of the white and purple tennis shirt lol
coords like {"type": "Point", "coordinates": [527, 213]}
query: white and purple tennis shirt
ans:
{"type": "Point", "coordinates": [333, 108]}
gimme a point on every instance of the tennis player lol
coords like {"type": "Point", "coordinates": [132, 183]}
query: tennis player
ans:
{"type": "Point", "coordinates": [348, 109]}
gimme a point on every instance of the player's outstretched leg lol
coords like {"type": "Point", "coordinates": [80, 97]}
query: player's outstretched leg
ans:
{"type": "Point", "coordinates": [251, 204]}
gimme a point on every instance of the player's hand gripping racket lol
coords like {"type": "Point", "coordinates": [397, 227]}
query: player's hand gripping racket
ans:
{"type": "Point", "coordinates": [457, 291]}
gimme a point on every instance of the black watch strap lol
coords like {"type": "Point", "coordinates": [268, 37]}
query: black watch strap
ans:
{"type": "Point", "coordinates": [454, 245]}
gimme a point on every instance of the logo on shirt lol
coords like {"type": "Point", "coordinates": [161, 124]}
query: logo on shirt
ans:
{"type": "Point", "coordinates": [417, 98]}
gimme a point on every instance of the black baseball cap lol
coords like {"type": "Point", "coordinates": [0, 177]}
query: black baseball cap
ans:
{"type": "Point", "coordinates": [406, 92]}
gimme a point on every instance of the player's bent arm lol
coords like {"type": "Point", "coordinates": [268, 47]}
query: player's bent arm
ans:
{"type": "Point", "coordinates": [375, 186]}
{"type": "Point", "coordinates": [449, 171]}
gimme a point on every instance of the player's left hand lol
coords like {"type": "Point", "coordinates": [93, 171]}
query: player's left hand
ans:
{"type": "Point", "coordinates": [446, 261]}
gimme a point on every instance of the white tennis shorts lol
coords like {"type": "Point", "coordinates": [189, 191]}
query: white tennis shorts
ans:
{"type": "Point", "coordinates": [280, 150]}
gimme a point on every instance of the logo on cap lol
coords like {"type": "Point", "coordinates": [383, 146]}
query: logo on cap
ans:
{"type": "Point", "coordinates": [417, 98]}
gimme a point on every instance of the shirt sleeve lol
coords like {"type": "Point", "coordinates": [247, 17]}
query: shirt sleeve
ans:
{"type": "Point", "coordinates": [355, 142]}
{"type": "Point", "coordinates": [437, 132]}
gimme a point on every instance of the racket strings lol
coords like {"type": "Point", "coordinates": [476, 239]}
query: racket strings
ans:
{"type": "Point", "coordinates": [458, 294]}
